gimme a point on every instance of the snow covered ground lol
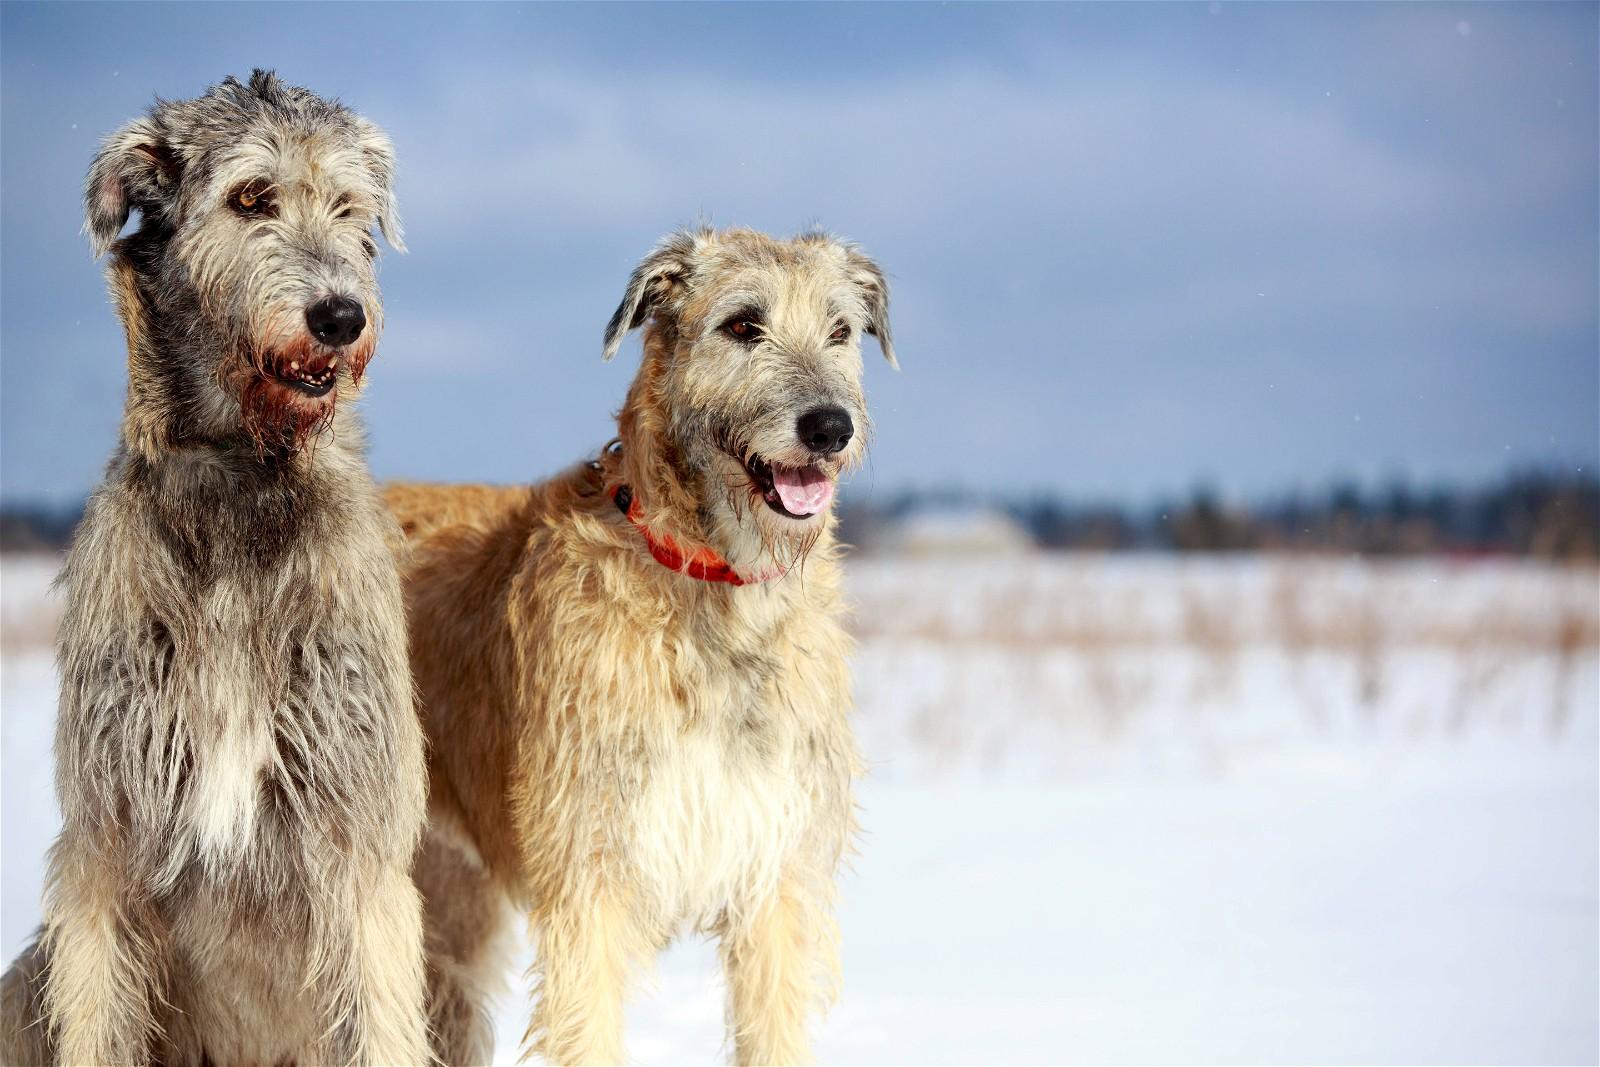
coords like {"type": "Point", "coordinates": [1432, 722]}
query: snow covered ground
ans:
{"type": "Point", "coordinates": [1138, 810]}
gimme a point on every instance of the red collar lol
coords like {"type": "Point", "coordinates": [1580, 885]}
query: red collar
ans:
{"type": "Point", "coordinates": [704, 564]}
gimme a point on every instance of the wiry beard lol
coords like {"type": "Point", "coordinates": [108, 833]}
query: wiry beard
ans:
{"type": "Point", "coordinates": [278, 421]}
{"type": "Point", "coordinates": [786, 550]}
{"type": "Point", "coordinates": [277, 417]}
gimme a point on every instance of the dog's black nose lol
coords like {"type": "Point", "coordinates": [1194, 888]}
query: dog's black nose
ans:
{"type": "Point", "coordinates": [336, 320]}
{"type": "Point", "coordinates": [825, 430]}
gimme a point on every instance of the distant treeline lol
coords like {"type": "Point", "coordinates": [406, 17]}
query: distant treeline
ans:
{"type": "Point", "coordinates": [37, 528]}
{"type": "Point", "coordinates": [1535, 513]}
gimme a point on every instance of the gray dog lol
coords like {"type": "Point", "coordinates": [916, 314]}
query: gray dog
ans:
{"type": "Point", "coordinates": [239, 763]}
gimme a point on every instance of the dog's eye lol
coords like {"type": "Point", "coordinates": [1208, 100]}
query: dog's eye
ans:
{"type": "Point", "coordinates": [840, 334]}
{"type": "Point", "coordinates": [254, 200]}
{"type": "Point", "coordinates": [743, 327]}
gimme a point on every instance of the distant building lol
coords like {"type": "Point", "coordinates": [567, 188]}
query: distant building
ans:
{"type": "Point", "coordinates": [951, 532]}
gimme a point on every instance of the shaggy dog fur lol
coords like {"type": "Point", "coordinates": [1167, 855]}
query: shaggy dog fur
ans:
{"type": "Point", "coordinates": [239, 762]}
{"type": "Point", "coordinates": [625, 751]}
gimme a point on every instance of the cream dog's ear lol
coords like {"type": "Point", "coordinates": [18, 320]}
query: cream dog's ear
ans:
{"type": "Point", "coordinates": [657, 278]}
{"type": "Point", "coordinates": [868, 277]}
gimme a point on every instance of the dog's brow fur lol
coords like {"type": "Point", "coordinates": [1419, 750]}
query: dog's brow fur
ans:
{"type": "Point", "coordinates": [624, 751]}
{"type": "Point", "coordinates": [239, 764]}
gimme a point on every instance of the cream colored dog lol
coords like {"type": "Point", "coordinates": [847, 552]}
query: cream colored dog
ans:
{"type": "Point", "coordinates": [634, 676]}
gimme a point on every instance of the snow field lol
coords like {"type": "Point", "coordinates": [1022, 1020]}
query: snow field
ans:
{"type": "Point", "coordinates": [1153, 809]}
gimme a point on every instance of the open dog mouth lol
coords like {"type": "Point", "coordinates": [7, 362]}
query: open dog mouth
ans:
{"type": "Point", "coordinates": [795, 492]}
{"type": "Point", "coordinates": [313, 375]}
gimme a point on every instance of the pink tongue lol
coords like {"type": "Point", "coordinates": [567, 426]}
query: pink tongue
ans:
{"type": "Point", "coordinates": [803, 490]}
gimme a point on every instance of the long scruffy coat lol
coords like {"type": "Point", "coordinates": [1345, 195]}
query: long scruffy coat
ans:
{"type": "Point", "coordinates": [629, 751]}
{"type": "Point", "coordinates": [249, 712]}
{"type": "Point", "coordinates": [239, 762]}
{"type": "Point", "coordinates": [240, 771]}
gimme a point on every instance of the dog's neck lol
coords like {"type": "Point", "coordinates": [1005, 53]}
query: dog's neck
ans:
{"type": "Point", "coordinates": [654, 469]}
{"type": "Point", "coordinates": [705, 566]}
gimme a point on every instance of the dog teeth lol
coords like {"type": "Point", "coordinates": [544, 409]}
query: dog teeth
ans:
{"type": "Point", "coordinates": [294, 365]}
{"type": "Point", "coordinates": [332, 364]}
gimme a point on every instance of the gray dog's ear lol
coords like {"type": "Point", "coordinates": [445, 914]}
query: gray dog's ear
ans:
{"type": "Point", "coordinates": [379, 151]}
{"type": "Point", "coordinates": [136, 168]}
{"type": "Point", "coordinates": [653, 280]}
{"type": "Point", "coordinates": [874, 287]}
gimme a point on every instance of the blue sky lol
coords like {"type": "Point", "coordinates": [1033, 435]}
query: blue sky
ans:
{"type": "Point", "coordinates": [1132, 247]}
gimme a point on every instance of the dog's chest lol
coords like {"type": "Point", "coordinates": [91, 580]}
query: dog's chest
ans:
{"type": "Point", "coordinates": [225, 799]}
{"type": "Point", "coordinates": [267, 733]}
{"type": "Point", "coordinates": [715, 821]}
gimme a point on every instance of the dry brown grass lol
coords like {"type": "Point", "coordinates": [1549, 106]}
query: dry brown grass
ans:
{"type": "Point", "coordinates": [1349, 635]}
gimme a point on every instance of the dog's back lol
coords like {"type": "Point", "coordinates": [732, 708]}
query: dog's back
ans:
{"type": "Point", "coordinates": [424, 507]}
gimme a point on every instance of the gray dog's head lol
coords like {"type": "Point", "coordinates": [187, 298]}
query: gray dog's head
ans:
{"type": "Point", "coordinates": [751, 382]}
{"type": "Point", "coordinates": [255, 254]}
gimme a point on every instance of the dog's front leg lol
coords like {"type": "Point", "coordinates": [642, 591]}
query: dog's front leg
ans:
{"type": "Point", "coordinates": [391, 1018]}
{"type": "Point", "coordinates": [107, 954]}
{"type": "Point", "coordinates": [781, 960]}
{"type": "Point", "coordinates": [586, 950]}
